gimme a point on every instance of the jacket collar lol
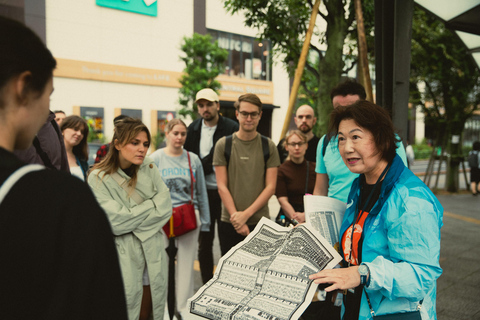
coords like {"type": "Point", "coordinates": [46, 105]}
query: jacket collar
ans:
{"type": "Point", "coordinates": [391, 178]}
{"type": "Point", "coordinates": [198, 124]}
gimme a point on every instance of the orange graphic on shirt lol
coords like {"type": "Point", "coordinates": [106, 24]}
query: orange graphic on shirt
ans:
{"type": "Point", "coordinates": [347, 240]}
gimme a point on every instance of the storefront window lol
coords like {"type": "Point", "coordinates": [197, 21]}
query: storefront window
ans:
{"type": "Point", "coordinates": [94, 117]}
{"type": "Point", "coordinates": [158, 139]}
{"type": "Point", "coordinates": [132, 113]}
{"type": "Point", "coordinates": [248, 58]}
{"type": "Point", "coordinates": [261, 58]}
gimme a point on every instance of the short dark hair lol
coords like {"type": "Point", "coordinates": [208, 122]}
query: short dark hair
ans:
{"type": "Point", "coordinates": [476, 145]}
{"type": "Point", "coordinates": [348, 87]}
{"type": "Point", "coordinates": [251, 98]}
{"type": "Point", "coordinates": [59, 111]}
{"type": "Point", "coordinates": [372, 118]}
{"type": "Point", "coordinates": [22, 50]}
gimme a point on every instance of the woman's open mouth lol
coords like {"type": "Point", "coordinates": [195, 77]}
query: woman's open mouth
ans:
{"type": "Point", "coordinates": [352, 160]}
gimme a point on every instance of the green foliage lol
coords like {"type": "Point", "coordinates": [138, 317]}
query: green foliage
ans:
{"type": "Point", "coordinates": [422, 151]}
{"type": "Point", "coordinates": [157, 139]}
{"type": "Point", "coordinates": [94, 136]}
{"type": "Point", "coordinates": [442, 64]}
{"type": "Point", "coordinates": [284, 23]}
{"type": "Point", "coordinates": [204, 61]}
{"type": "Point", "coordinates": [445, 75]}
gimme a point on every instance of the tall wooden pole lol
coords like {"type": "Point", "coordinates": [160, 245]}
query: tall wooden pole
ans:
{"type": "Point", "coordinates": [300, 68]}
{"type": "Point", "coordinates": [362, 51]}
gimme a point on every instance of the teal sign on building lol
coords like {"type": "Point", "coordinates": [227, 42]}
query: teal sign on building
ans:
{"type": "Point", "coordinates": [147, 7]}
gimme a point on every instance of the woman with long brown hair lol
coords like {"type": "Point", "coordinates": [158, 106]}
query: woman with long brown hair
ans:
{"type": "Point", "coordinates": [75, 133]}
{"type": "Point", "coordinates": [137, 202]}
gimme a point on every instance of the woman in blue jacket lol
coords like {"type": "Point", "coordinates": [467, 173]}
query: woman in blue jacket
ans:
{"type": "Point", "coordinates": [392, 260]}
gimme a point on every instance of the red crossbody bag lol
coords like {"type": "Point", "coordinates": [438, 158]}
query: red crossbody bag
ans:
{"type": "Point", "coordinates": [183, 219]}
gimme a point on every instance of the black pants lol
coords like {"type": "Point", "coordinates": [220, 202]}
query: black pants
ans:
{"type": "Point", "coordinates": [205, 239]}
{"type": "Point", "coordinates": [229, 237]}
{"type": "Point", "coordinates": [321, 310]}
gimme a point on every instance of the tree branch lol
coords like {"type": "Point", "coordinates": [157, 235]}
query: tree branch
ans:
{"type": "Point", "coordinates": [313, 70]}
{"type": "Point", "coordinates": [433, 97]}
{"type": "Point", "coordinates": [354, 63]}
{"type": "Point", "coordinates": [304, 85]}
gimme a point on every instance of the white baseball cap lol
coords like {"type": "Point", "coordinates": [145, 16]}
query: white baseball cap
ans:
{"type": "Point", "coordinates": [207, 94]}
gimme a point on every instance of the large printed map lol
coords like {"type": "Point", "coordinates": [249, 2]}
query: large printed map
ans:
{"type": "Point", "coordinates": [266, 275]}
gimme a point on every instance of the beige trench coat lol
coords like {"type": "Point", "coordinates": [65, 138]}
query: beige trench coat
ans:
{"type": "Point", "coordinates": [137, 230]}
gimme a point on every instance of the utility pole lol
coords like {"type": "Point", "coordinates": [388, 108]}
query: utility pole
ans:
{"type": "Point", "coordinates": [300, 68]}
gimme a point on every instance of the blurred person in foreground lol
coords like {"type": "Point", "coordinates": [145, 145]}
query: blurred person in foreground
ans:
{"type": "Point", "coordinates": [137, 202]}
{"type": "Point", "coordinates": [392, 260]}
{"type": "Point", "coordinates": [58, 257]}
{"type": "Point", "coordinates": [75, 134]}
{"type": "Point", "coordinates": [48, 148]}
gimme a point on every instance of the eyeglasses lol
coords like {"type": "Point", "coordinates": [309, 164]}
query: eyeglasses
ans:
{"type": "Point", "coordinates": [253, 115]}
{"type": "Point", "coordinates": [295, 144]}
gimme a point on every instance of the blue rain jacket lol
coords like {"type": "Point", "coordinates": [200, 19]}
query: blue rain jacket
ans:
{"type": "Point", "coordinates": [401, 244]}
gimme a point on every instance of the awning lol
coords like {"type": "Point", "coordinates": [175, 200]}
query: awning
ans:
{"type": "Point", "coordinates": [463, 17]}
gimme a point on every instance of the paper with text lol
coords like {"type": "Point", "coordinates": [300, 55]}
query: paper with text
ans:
{"type": "Point", "coordinates": [266, 275]}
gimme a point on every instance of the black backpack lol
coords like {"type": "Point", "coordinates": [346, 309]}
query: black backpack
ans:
{"type": "Point", "coordinates": [228, 149]}
{"type": "Point", "coordinates": [473, 159]}
{"type": "Point", "coordinates": [326, 140]}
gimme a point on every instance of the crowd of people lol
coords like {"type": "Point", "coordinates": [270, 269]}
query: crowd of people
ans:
{"type": "Point", "coordinates": [96, 249]}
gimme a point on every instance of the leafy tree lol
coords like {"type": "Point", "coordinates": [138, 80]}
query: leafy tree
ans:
{"type": "Point", "coordinates": [285, 22]}
{"type": "Point", "coordinates": [204, 61]}
{"type": "Point", "coordinates": [450, 82]}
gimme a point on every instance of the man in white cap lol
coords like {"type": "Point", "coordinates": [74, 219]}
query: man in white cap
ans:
{"type": "Point", "coordinates": [202, 135]}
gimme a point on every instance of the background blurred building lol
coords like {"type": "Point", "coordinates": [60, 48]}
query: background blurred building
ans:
{"type": "Point", "coordinates": [123, 57]}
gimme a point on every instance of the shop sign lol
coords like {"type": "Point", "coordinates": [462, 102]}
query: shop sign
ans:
{"type": "Point", "coordinates": [166, 115]}
{"type": "Point", "coordinates": [147, 7]}
{"type": "Point", "coordinates": [132, 113]}
{"type": "Point", "coordinates": [234, 45]}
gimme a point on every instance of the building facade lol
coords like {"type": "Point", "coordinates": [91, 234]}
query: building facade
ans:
{"type": "Point", "coordinates": [123, 57]}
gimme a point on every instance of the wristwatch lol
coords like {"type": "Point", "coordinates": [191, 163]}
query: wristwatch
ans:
{"type": "Point", "coordinates": [364, 273]}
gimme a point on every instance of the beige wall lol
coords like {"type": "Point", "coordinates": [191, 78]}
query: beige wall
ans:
{"type": "Point", "coordinates": [115, 59]}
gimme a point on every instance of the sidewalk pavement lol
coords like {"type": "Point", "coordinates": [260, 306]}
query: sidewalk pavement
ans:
{"type": "Point", "coordinates": [458, 290]}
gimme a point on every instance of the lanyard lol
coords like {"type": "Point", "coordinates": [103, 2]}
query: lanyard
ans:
{"type": "Point", "coordinates": [360, 213]}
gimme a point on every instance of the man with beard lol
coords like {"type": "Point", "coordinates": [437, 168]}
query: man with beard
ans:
{"type": "Point", "coordinates": [304, 120]}
{"type": "Point", "coordinates": [202, 135]}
